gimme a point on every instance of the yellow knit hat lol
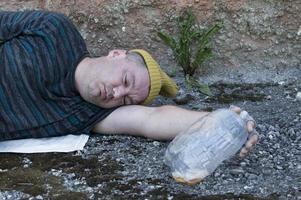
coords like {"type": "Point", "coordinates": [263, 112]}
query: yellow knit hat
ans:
{"type": "Point", "coordinates": [160, 82]}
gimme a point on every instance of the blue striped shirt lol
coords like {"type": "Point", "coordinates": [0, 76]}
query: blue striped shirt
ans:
{"type": "Point", "coordinates": [39, 52]}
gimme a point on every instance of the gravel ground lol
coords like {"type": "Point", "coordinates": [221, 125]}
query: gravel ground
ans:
{"type": "Point", "coordinates": [124, 167]}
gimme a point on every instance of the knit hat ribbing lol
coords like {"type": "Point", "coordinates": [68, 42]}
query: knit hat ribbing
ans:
{"type": "Point", "coordinates": [160, 82]}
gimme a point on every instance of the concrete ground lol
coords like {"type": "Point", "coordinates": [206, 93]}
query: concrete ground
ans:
{"type": "Point", "coordinates": [124, 167]}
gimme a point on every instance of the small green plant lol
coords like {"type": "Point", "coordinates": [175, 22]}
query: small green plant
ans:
{"type": "Point", "coordinates": [191, 48]}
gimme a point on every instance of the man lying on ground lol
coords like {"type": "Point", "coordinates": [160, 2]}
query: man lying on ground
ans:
{"type": "Point", "coordinates": [51, 86]}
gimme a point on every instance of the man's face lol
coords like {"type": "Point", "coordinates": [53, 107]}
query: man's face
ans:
{"type": "Point", "coordinates": [116, 80]}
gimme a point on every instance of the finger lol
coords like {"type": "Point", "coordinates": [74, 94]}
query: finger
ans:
{"type": "Point", "coordinates": [243, 152]}
{"type": "Point", "coordinates": [253, 139]}
{"type": "Point", "coordinates": [247, 118]}
{"type": "Point", "coordinates": [235, 109]}
{"type": "Point", "coordinates": [248, 145]}
{"type": "Point", "coordinates": [250, 126]}
{"type": "Point", "coordinates": [242, 155]}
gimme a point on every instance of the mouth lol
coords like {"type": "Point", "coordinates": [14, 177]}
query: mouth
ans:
{"type": "Point", "coordinates": [106, 94]}
{"type": "Point", "coordinates": [103, 93]}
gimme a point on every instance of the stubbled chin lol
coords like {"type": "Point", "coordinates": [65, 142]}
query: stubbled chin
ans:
{"type": "Point", "coordinates": [96, 101]}
{"type": "Point", "coordinates": [101, 104]}
{"type": "Point", "coordinates": [107, 105]}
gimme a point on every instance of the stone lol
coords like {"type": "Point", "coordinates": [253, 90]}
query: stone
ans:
{"type": "Point", "coordinates": [183, 99]}
{"type": "Point", "coordinates": [156, 143]}
{"type": "Point", "coordinates": [243, 164]}
{"type": "Point", "coordinates": [236, 171]}
{"type": "Point", "coordinates": [298, 96]}
{"type": "Point", "coordinates": [268, 97]}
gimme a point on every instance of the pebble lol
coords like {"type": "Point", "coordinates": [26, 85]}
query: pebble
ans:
{"type": "Point", "coordinates": [291, 132]}
{"type": "Point", "coordinates": [252, 176]}
{"type": "Point", "coordinates": [236, 171]}
{"type": "Point", "coordinates": [269, 97]}
{"type": "Point", "coordinates": [248, 187]}
{"type": "Point", "coordinates": [271, 128]}
{"type": "Point", "coordinates": [156, 143]}
{"type": "Point", "coordinates": [276, 146]}
{"type": "Point", "coordinates": [216, 174]}
{"type": "Point", "coordinates": [298, 96]}
{"type": "Point", "coordinates": [266, 171]}
{"type": "Point", "coordinates": [39, 197]}
{"type": "Point", "coordinates": [183, 99]}
{"type": "Point", "coordinates": [281, 82]}
{"type": "Point", "coordinates": [271, 137]}
{"type": "Point", "coordinates": [169, 197]}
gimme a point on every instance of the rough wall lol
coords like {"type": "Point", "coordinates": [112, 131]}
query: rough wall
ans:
{"type": "Point", "coordinates": [260, 40]}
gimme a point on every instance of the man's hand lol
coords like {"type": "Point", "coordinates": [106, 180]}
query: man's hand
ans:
{"type": "Point", "coordinates": [253, 135]}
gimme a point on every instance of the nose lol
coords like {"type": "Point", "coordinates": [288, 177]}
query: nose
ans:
{"type": "Point", "coordinates": [119, 92]}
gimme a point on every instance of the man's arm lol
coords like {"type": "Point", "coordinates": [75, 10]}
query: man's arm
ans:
{"type": "Point", "coordinates": [161, 123]}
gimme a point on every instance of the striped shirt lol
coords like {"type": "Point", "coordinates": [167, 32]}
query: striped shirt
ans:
{"type": "Point", "coordinates": [39, 52]}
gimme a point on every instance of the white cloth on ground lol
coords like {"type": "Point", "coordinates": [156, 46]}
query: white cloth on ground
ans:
{"type": "Point", "coordinates": [65, 143]}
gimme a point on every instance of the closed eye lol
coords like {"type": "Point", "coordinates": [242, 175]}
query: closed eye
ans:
{"type": "Point", "coordinates": [125, 80]}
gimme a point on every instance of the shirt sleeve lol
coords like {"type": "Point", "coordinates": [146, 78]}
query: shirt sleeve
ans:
{"type": "Point", "coordinates": [30, 23]}
{"type": "Point", "coordinates": [49, 41]}
{"type": "Point", "coordinates": [38, 58]}
{"type": "Point", "coordinates": [13, 24]}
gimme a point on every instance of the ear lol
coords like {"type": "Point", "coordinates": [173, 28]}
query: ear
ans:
{"type": "Point", "coordinates": [117, 53]}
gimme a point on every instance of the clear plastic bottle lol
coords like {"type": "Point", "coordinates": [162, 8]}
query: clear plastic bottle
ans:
{"type": "Point", "coordinates": [197, 152]}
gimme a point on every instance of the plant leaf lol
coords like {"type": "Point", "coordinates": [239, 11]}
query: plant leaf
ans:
{"type": "Point", "coordinates": [204, 88]}
{"type": "Point", "coordinates": [190, 36]}
{"type": "Point", "coordinates": [201, 87]}
{"type": "Point", "coordinates": [204, 38]}
{"type": "Point", "coordinates": [169, 41]}
{"type": "Point", "coordinates": [201, 56]}
{"type": "Point", "coordinates": [186, 22]}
